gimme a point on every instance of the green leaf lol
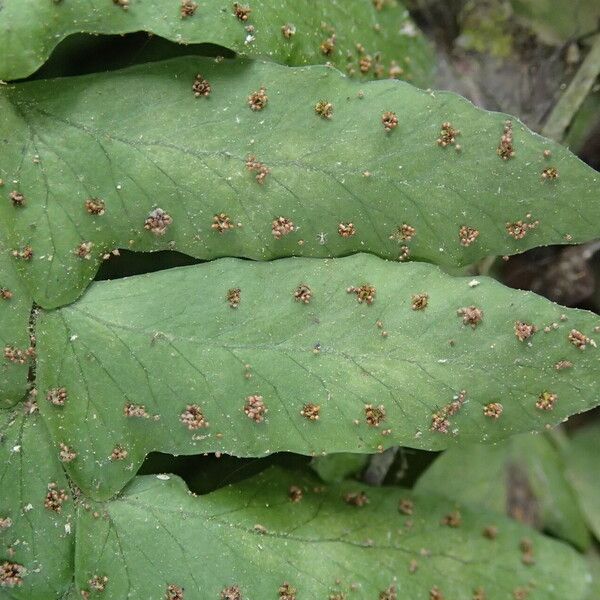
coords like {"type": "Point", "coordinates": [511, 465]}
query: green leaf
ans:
{"type": "Point", "coordinates": [593, 559]}
{"type": "Point", "coordinates": [254, 537]}
{"type": "Point", "coordinates": [35, 538]}
{"type": "Point", "coordinates": [333, 468]}
{"type": "Point", "coordinates": [582, 471]}
{"type": "Point", "coordinates": [29, 31]}
{"type": "Point", "coordinates": [523, 477]}
{"type": "Point", "coordinates": [171, 339]}
{"type": "Point", "coordinates": [15, 310]}
{"type": "Point", "coordinates": [559, 21]}
{"type": "Point", "coordinates": [138, 139]}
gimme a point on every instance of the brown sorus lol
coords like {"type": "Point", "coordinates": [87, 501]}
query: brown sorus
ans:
{"type": "Point", "coordinates": [26, 253]}
{"type": "Point", "coordinates": [356, 499]}
{"type": "Point", "coordinates": [201, 87]}
{"type": "Point", "coordinates": [95, 206]}
{"type": "Point", "coordinates": [580, 340]}
{"type": "Point", "coordinates": [188, 8]}
{"type": "Point", "coordinates": [324, 109]}
{"type": "Point", "coordinates": [523, 331]}
{"type": "Point", "coordinates": [241, 11]}
{"type": "Point", "coordinates": [259, 99]}
{"type": "Point", "coordinates": [505, 148]}
{"type": "Point", "coordinates": [234, 297]}
{"type": "Point", "coordinates": [364, 293]}
{"type": "Point", "coordinates": [11, 574]}
{"type": "Point", "coordinates": [282, 226]}
{"type": "Point", "coordinates": [389, 120]}
{"type": "Point", "coordinates": [55, 498]}
{"type": "Point", "coordinates": [546, 401]}
{"type": "Point", "coordinates": [255, 408]}
{"type": "Point", "coordinates": [471, 315]}
{"type": "Point", "coordinates": [174, 592]}
{"type": "Point", "coordinates": [328, 46]}
{"type": "Point", "coordinates": [288, 30]}
{"type": "Point", "coordinates": [550, 173]}
{"type": "Point", "coordinates": [193, 417]}
{"type": "Point", "coordinates": [311, 411]}
{"type": "Point", "coordinates": [346, 230]}
{"type": "Point", "coordinates": [118, 453]}
{"type": "Point", "coordinates": [295, 493]}
{"type": "Point", "coordinates": [448, 135]}
{"type": "Point", "coordinates": [419, 301]}
{"type": "Point", "coordinates": [287, 592]}
{"type": "Point", "coordinates": [135, 410]}
{"type": "Point", "coordinates": [222, 223]}
{"type": "Point", "coordinates": [467, 235]}
{"type": "Point", "coordinates": [231, 592]}
{"type": "Point", "coordinates": [493, 410]}
{"type": "Point", "coordinates": [374, 415]}
{"type": "Point", "coordinates": [98, 582]}
{"type": "Point", "coordinates": [406, 506]}
{"type": "Point", "coordinates": [158, 221]}
{"type": "Point", "coordinates": [57, 396]}
{"type": "Point", "coordinates": [17, 198]}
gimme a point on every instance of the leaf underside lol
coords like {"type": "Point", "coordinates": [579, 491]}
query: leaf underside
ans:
{"type": "Point", "coordinates": [138, 139]}
{"type": "Point", "coordinates": [15, 309]}
{"type": "Point", "coordinates": [34, 537]}
{"type": "Point", "coordinates": [254, 537]}
{"type": "Point", "coordinates": [171, 339]}
{"type": "Point", "coordinates": [523, 477]}
{"type": "Point", "coordinates": [29, 31]}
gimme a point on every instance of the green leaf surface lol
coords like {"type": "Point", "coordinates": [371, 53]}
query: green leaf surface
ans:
{"type": "Point", "coordinates": [593, 559]}
{"type": "Point", "coordinates": [171, 339]}
{"type": "Point", "coordinates": [333, 468]}
{"type": "Point", "coordinates": [559, 21]}
{"type": "Point", "coordinates": [29, 31]}
{"type": "Point", "coordinates": [522, 477]}
{"type": "Point", "coordinates": [583, 471]}
{"type": "Point", "coordinates": [36, 538]}
{"type": "Point", "coordinates": [138, 139]}
{"type": "Point", "coordinates": [15, 310]}
{"type": "Point", "coordinates": [254, 537]}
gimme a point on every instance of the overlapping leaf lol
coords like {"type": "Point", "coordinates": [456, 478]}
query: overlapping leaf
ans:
{"type": "Point", "coordinates": [594, 565]}
{"type": "Point", "coordinates": [559, 21]}
{"type": "Point", "coordinates": [155, 345]}
{"type": "Point", "coordinates": [36, 521]}
{"type": "Point", "coordinates": [256, 539]}
{"type": "Point", "coordinates": [15, 342]}
{"type": "Point", "coordinates": [523, 477]}
{"type": "Point", "coordinates": [583, 472]}
{"type": "Point", "coordinates": [343, 33]}
{"type": "Point", "coordinates": [138, 139]}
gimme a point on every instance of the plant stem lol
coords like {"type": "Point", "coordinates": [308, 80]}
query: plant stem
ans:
{"type": "Point", "coordinates": [574, 95]}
